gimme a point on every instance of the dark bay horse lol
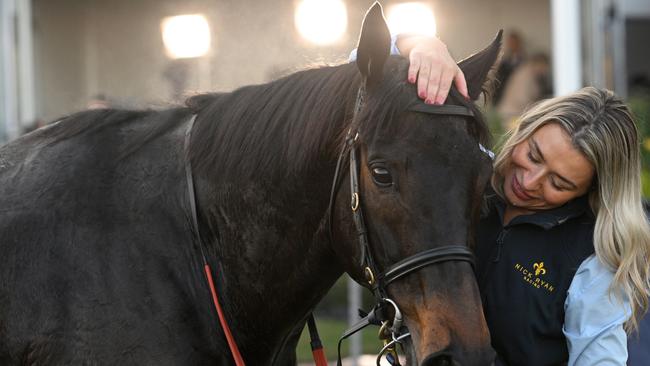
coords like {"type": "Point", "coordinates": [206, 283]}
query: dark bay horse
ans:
{"type": "Point", "coordinates": [99, 262]}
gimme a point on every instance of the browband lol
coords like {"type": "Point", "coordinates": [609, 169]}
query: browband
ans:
{"type": "Point", "coordinates": [445, 109]}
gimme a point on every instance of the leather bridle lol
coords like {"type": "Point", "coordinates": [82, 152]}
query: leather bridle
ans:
{"type": "Point", "coordinates": [376, 280]}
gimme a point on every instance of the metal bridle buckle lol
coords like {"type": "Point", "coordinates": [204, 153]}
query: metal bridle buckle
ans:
{"type": "Point", "coordinates": [396, 324]}
{"type": "Point", "coordinates": [355, 201]}
{"type": "Point", "coordinates": [389, 347]}
{"type": "Point", "coordinates": [370, 277]}
{"type": "Point", "coordinates": [389, 333]}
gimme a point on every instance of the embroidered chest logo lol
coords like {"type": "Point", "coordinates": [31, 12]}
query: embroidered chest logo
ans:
{"type": "Point", "coordinates": [539, 268]}
{"type": "Point", "coordinates": [534, 277]}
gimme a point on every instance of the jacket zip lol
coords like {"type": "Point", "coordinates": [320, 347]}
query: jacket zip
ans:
{"type": "Point", "coordinates": [500, 239]}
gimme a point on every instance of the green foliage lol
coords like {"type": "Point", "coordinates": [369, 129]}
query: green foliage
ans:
{"type": "Point", "coordinates": [640, 106]}
{"type": "Point", "coordinates": [645, 183]}
{"type": "Point", "coordinates": [331, 320]}
{"type": "Point", "coordinates": [496, 127]}
{"type": "Point", "coordinates": [334, 304]}
{"type": "Point", "coordinates": [330, 330]}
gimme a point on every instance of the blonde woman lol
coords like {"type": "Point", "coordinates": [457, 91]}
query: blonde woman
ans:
{"type": "Point", "coordinates": [563, 247]}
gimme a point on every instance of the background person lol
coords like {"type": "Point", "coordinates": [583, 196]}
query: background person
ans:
{"type": "Point", "coordinates": [527, 84]}
{"type": "Point", "coordinates": [514, 55]}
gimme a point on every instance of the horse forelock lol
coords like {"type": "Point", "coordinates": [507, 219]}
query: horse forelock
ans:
{"type": "Point", "coordinates": [395, 95]}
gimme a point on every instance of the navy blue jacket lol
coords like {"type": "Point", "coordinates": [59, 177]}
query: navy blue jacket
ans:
{"type": "Point", "coordinates": [638, 345]}
{"type": "Point", "coordinates": [524, 271]}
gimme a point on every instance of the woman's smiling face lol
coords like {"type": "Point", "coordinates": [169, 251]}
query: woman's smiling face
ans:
{"type": "Point", "coordinates": [546, 171]}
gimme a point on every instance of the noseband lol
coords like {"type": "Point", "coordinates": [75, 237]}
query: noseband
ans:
{"type": "Point", "coordinates": [377, 281]}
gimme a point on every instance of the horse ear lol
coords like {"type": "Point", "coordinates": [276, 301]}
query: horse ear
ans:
{"type": "Point", "coordinates": [374, 46]}
{"type": "Point", "coordinates": [477, 66]}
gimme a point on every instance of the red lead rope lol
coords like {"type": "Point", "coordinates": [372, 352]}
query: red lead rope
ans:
{"type": "Point", "coordinates": [316, 345]}
{"type": "Point", "coordinates": [319, 356]}
{"type": "Point", "coordinates": [317, 348]}
{"type": "Point", "coordinates": [239, 361]}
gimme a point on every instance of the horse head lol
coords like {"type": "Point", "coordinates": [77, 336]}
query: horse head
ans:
{"type": "Point", "coordinates": [404, 227]}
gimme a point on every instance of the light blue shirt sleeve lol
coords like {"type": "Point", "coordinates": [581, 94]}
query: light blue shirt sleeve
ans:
{"type": "Point", "coordinates": [393, 49]}
{"type": "Point", "coordinates": [486, 151]}
{"type": "Point", "coordinates": [593, 323]}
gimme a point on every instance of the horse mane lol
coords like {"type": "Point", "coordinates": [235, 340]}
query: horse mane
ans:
{"type": "Point", "coordinates": [95, 121]}
{"type": "Point", "coordinates": [276, 130]}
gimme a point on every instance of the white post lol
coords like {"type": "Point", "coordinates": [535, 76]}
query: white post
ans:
{"type": "Point", "coordinates": [27, 106]}
{"type": "Point", "coordinates": [567, 59]}
{"type": "Point", "coordinates": [354, 303]}
{"type": "Point", "coordinates": [3, 127]}
{"type": "Point", "coordinates": [91, 52]}
{"type": "Point", "coordinates": [595, 44]}
{"type": "Point", "coordinates": [8, 63]}
{"type": "Point", "coordinates": [617, 47]}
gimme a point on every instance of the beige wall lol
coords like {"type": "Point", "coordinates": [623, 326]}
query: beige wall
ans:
{"type": "Point", "coordinates": [114, 47]}
{"type": "Point", "coordinates": [58, 57]}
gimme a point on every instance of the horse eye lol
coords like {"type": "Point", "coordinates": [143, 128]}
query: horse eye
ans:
{"type": "Point", "coordinates": [382, 177]}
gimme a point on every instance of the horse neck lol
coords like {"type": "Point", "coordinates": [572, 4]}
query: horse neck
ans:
{"type": "Point", "coordinates": [265, 224]}
{"type": "Point", "coordinates": [274, 256]}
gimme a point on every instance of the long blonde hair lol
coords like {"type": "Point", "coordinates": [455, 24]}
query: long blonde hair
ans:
{"type": "Point", "coordinates": [602, 128]}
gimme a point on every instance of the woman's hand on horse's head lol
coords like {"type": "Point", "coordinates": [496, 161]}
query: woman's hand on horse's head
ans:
{"type": "Point", "coordinates": [432, 67]}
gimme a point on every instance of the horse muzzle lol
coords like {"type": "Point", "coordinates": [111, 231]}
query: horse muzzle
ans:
{"type": "Point", "coordinates": [484, 357]}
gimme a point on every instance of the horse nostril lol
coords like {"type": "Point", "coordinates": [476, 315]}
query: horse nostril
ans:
{"type": "Point", "coordinates": [438, 360]}
{"type": "Point", "coordinates": [443, 361]}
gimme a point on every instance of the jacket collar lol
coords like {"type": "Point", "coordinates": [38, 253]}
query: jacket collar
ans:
{"type": "Point", "coordinates": [547, 219]}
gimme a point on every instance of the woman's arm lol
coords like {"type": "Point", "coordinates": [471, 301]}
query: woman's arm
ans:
{"type": "Point", "coordinates": [432, 67]}
{"type": "Point", "coordinates": [594, 317]}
